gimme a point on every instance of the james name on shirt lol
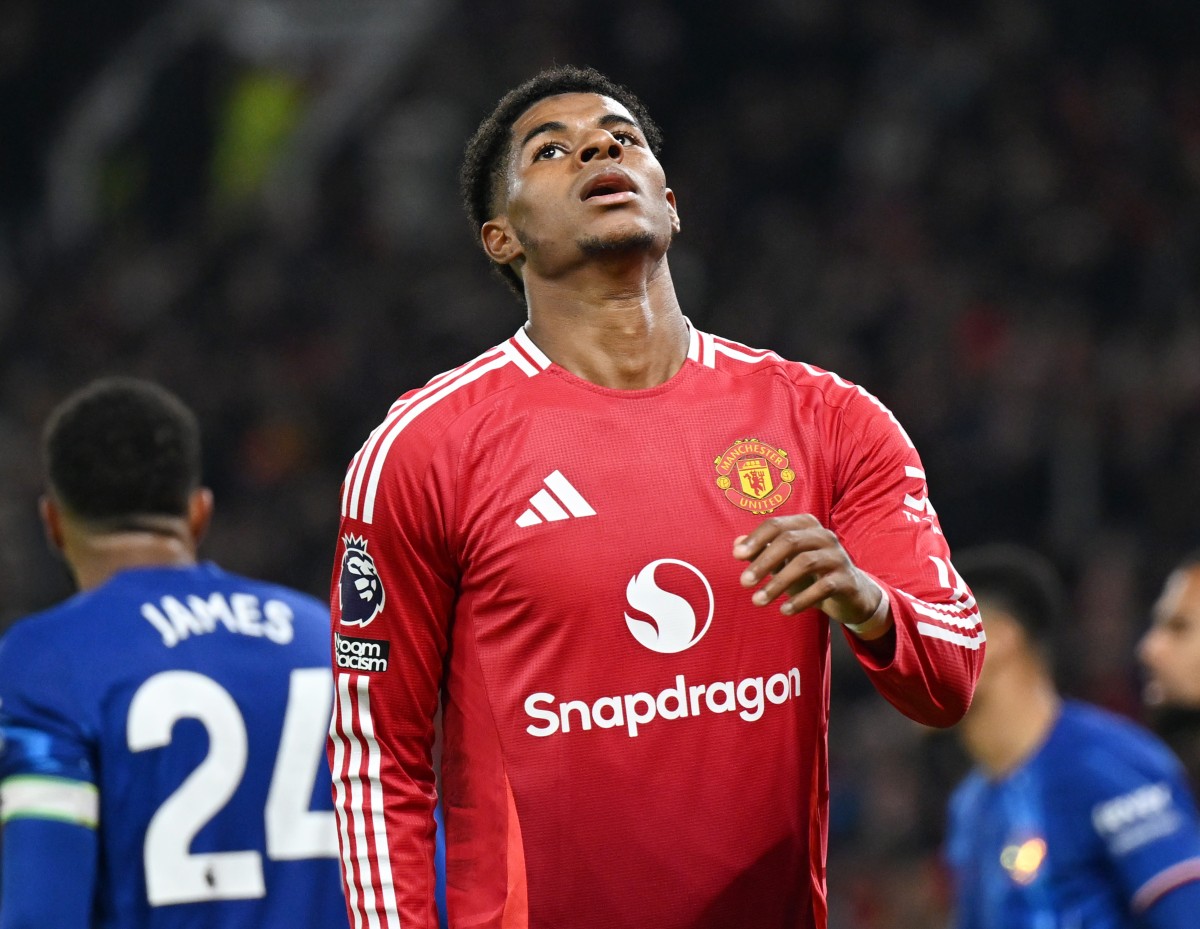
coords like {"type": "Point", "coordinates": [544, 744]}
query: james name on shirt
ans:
{"type": "Point", "coordinates": [239, 613]}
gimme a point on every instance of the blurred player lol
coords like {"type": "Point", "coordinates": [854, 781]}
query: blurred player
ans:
{"type": "Point", "coordinates": [162, 761]}
{"type": "Point", "coordinates": [1170, 655]}
{"type": "Point", "coordinates": [1073, 816]}
{"type": "Point", "coordinates": [574, 539]}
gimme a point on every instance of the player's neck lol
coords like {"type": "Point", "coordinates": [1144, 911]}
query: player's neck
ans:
{"type": "Point", "coordinates": [1010, 721]}
{"type": "Point", "coordinates": [618, 332]}
{"type": "Point", "coordinates": [96, 558]}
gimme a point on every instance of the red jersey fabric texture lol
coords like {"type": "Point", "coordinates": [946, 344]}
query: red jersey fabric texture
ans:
{"type": "Point", "coordinates": [544, 565]}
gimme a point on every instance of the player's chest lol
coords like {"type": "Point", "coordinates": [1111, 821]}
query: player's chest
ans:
{"type": "Point", "coordinates": [562, 484]}
{"type": "Point", "coordinates": [626, 523]}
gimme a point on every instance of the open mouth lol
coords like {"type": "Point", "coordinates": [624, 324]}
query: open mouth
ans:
{"type": "Point", "coordinates": [609, 187]}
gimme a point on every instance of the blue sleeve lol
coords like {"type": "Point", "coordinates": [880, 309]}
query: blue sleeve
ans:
{"type": "Point", "coordinates": [47, 874]}
{"type": "Point", "coordinates": [1143, 814]}
{"type": "Point", "coordinates": [1176, 909]}
{"type": "Point", "coordinates": [48, 800]}
{"type": "Point", "coordinates": [439, 861]}
{"type": "Point", "coordinates": [42, 729]}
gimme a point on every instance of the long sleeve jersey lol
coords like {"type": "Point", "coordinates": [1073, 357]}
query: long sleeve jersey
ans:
{"type": "Point", "coordinates": [546, 566]}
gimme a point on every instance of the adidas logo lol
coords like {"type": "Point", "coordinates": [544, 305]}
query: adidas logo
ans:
{"type": "Point", "coordinates": [548, 507]}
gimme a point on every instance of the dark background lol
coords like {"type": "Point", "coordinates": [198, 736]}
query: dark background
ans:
{"type": "Point", "coordinates": [986, 213]}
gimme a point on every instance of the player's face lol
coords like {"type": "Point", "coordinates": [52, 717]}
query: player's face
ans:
{"type": "Point", "coordinates": [582, 182]}
{"type": "Point", "coordinates": [1170, 649]}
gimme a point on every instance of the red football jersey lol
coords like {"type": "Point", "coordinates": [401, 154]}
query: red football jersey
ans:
{"type": "Point", "coordinates": [627, 741]}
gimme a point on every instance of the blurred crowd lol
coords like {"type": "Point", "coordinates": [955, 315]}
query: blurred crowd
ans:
{"type": "Point", "coordinates": [988, 214]}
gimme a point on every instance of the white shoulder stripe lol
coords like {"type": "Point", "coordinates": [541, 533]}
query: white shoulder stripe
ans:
{"type": "Point", "coordinates": [364, 473]}
{"type": "Point", "coordinates": [352, 486]}
{"type": "Point", "coordinates": [527, 345]}
{"type": "Point", "coordinates": [411, 413]}
{"type": "Point", "coordinates": [515, 356]}
{"type": "Point", "coordinates": [54, 798]}
{"type": "Point", "coordinates": [816, 372]}
{"type": "Point", "coordinates": [742, 353]}
{"type": "Point", "coordinates": [700, 346]}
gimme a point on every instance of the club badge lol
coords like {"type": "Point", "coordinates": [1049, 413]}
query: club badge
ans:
{"type": "Point", "coordinates": [754, 476]}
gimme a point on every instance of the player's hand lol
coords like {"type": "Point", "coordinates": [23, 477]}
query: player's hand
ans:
{"type": "Point", "coordinates": [804, 562]}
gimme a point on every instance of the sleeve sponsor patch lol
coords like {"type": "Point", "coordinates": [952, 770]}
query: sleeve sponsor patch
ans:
{"type": "Point", "coordinates": [1137, 818]}
{"type": "Point", "coordinates": [355, 654]}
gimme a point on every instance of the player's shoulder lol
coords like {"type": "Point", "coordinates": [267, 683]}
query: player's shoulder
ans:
{"type": "Point", "coordinates": [302, 603]}
{"type": "Point", "coordinates": [1112, 749]}
{"type": "Point", "coordinates": [742, 360]}
{"type": "Point", "coordinates": [421, 417]}
{"type": "Point", "coordinates": [829, 396]}
{"type": "Point", "coordinates": [49, 622]}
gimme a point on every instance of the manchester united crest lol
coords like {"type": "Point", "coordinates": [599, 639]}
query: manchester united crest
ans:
{"type": "Point", "coordinates": [755, 476]}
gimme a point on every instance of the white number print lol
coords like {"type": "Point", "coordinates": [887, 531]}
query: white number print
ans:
{"type": "Point", "coordinates": [173, 873]}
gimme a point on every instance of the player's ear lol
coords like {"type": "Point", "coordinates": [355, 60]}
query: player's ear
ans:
{"type": "Point", "coordinates": [673, 207]}
{"type": "Point", "coordinates": [200, 507]}
{"type": "Point", "coordinates": [52, 522]}
{"type": "Point", "coordinates": [500, 241]}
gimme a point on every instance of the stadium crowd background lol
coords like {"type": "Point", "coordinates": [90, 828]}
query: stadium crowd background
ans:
{"type": "Point", "coordinates": [987, 213]}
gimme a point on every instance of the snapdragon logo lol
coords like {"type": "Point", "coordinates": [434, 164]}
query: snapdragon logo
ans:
{"type": "Point", "coordinates": [673, 626]}
{"type": "Point", "coordinates": [748, 698]}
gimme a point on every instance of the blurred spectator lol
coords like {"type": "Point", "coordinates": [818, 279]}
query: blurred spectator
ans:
{"type": "Point", "coordinates": [1170, 654]}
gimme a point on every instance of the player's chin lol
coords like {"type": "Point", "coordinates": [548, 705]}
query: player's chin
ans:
{"type": "Point", "coordinates": [620, 242]}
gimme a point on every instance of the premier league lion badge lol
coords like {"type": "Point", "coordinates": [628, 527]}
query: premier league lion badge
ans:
{"type": "Point", "coordinates": [360, 593]}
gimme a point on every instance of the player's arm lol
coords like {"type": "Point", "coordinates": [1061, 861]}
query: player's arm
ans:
{"type": "Point", "coordinates": [881, 568]}
{"type": "Point", "coordinates": [49, 805]}
{"type": "Point", "coordinates": [392, 597]}
{"type": "Point", "coordinates": [1177, 908]}
{"type": "Point", "coordinates": [47, 867]}
{"type": "Point", "coordinates": [1141, 812]}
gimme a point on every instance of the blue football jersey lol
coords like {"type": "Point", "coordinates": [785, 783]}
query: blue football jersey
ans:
{"type": "Point", "coordinates": [1089, 833]}
{"type": "Point", "coordinates": [182, 713]}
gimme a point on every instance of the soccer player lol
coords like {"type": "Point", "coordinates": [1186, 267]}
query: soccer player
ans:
{"type": "Point", "coordinates": [1073, 816]}
{"type": "Point", "coordinates": [573, 541]}
{"type": "Point", "coordinates": [162, 760]}
{"type": "Point", "coordinates": [1169, 653]}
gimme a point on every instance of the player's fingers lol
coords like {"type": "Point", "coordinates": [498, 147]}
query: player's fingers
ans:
{"type": "Point", "coordinates": [774, 557]}
{"type": "Point", "coordinates": [750, 545]}
{"type": "Point", "coordinates": [810, 537]}
{"type": "Point", "coordinates": [796, 575]}
{"type": "Point", "coordinates": [821, 589]}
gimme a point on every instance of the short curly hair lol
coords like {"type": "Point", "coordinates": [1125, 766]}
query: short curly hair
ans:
{"type": "Point", "coordinates": [122, 447]}
{"type": "Point", "coordinates": [483, 166]}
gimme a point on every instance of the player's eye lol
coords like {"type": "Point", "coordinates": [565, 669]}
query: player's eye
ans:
{"type": "Point", "coordinates": [626, 138]}
{"type": "Point", "coordinates": [548, 151]}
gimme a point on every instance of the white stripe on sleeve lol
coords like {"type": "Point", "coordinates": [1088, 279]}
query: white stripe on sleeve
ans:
{"type": "Point", "coordinates": [30, 796]}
